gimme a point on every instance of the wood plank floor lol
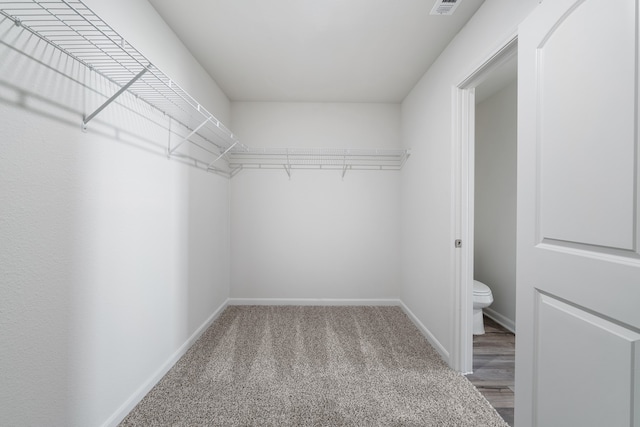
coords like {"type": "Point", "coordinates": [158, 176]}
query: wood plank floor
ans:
{"type": "Point", "coordinates": [494, 366]}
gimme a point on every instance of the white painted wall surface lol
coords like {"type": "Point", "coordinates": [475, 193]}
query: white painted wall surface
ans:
{"type": "Point", "coordinates": [495, 200]}
{"type": "Point", "coordinates": [426, 235]}
{"type": "Point", "coordinates": [111, 255]}
{"type": "Point", "coordinates": [315, 236]}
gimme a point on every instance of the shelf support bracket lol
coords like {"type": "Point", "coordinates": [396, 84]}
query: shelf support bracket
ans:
{"type": "Point", "coordinates": [287, 167]}
{"type": "Point", "coordinates": [222, 155]}
{"type": "Point", "coordinates": [344, 165]}
{"type": "Point", "coordinates": [88, 118]}
{"type": "Point", "coordinates": [185, 139]}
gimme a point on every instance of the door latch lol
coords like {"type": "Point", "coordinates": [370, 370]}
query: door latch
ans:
{"type": "Point", "coordinates": [458, 243]}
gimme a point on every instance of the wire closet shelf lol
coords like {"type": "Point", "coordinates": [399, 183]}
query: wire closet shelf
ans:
{"type": "Point", "coordinates": [74, 29]}
{"type": "Point", "coordinates": [314, 158]}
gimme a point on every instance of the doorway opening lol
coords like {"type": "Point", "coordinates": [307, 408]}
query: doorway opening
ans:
{"type": "Point", "coordinates": [480, 84]}
{"type": "Point", "coordinates": [494, 191]}
{"type": "Point", "coordinates": [484, 185]}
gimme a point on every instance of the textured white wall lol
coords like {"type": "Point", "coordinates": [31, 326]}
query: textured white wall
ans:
{"type": "Point", "coordinates": [316, 235]}
{"type": "Point", "coordinates": [426, 235]}
{"type": "Point", "coordinates": [495, 199]}
{"type": "Point", "coordinates": [111, 255]}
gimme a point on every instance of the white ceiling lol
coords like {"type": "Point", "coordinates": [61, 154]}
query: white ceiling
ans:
{"type": "Point", "coordinates": [314, 50]}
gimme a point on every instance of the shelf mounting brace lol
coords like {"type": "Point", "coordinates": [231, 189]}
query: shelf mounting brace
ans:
{"type": "Point", "coordinates": [169, 138]}
{"type": "Point", "coordinates": [88, 118]}
{"type": "Point", "coordinates": [287, 167]}
{"type": "Point", "coordinates": [222, 155]}
{"type": "Point", "coordinates": [185, 139]}
{"type": "Point", "coordinates": [344, 165]}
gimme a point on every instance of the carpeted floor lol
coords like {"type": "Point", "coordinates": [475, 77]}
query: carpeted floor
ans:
{"type": "Point", "coordinates": [313, 366]}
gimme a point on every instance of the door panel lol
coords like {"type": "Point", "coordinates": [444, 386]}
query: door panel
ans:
{"type": "Point", "coordinates": [587, 148]}
{"type": "Point", "coordinates": [600, 357]}
{"type": "Point", "coordinates": [578, 267]}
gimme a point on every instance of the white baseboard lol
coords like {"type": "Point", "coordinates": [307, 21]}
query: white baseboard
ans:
{"type": "Point", "coordinates": [509, 324]}
{"type": "Point", "coordinates": [427, 333]}
{"type": "Point", "coordinates": [136, 397]}
{"type": "Point", "coordinates": [311, 301]}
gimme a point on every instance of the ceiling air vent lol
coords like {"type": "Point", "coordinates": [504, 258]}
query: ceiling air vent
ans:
{"type": "Point", "coordinates": [445, 7]}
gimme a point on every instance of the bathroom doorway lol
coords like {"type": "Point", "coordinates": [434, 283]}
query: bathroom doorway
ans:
{"type": "Point", "coordinates": [494, 236]}
{"type": "Point", "coordinates": [480, 79]}
{"type": "Point", "coordinates": [494, 193]}
{"type": "Point", "coordinates": [490, 77]}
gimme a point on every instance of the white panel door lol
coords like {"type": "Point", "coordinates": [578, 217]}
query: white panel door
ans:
{"type": "Point", "coordinates": [578, 261]}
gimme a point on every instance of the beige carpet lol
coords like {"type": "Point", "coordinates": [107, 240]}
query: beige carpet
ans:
{"type": "Point", "coordinates": [313, 366]}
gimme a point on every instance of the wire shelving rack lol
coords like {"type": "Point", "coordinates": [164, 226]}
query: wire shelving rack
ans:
{"type": "Point", "coordinates": [75, 30]}
{"type": "Point", "coordinates": [317, 158]}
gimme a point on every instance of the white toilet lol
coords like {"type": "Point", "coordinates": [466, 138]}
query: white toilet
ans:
{"type": "Point", "coordinates": [482, 298]}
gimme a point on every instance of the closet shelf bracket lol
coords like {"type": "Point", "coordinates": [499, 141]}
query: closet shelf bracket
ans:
{"type": "Point", "coordinates": [221, 155]}
{"type": "Point", "coordinates": [123, 89]}
{"type": "Point", "coordinates": [193, 132]}
{"type": "Point", "coordinates": [344, 170]}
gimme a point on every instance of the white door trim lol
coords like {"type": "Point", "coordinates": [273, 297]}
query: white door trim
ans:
{"type": "Point", "coordinates": [463, 155]}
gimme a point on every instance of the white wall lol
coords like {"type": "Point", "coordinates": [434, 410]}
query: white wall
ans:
{"type": "Point", "coordinates": [495, 201]}
{"type": "Point", "coordinates": [427, 214]}
{"type": "Point", "coordinates": [111, 255]}
{"type": "Point", "coordinates": [315, 236]}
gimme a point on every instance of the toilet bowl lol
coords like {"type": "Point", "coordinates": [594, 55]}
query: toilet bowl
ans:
{"type": "Point", "coordinates": [482, 298]}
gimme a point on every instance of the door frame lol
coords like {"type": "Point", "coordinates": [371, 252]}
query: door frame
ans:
{"type": "Point", "coordinates": [463, 170]}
